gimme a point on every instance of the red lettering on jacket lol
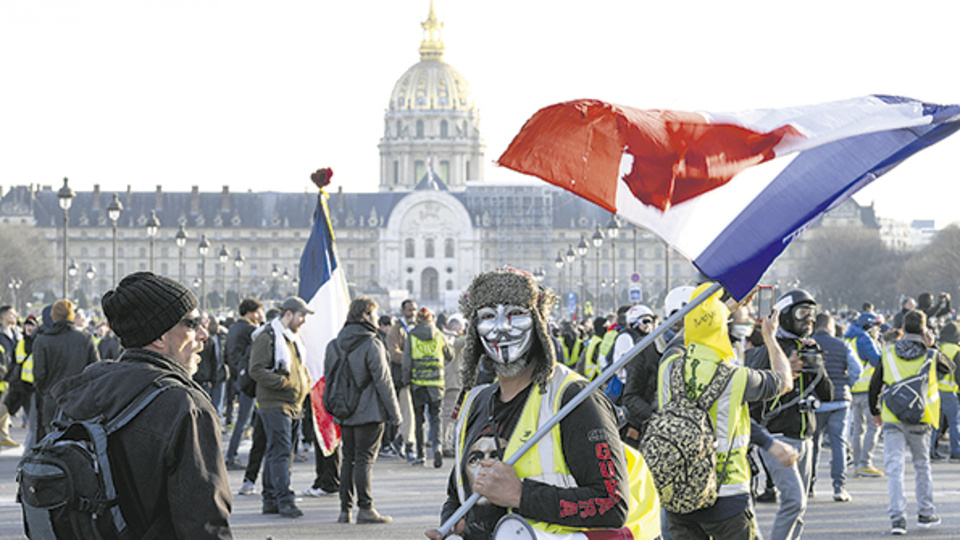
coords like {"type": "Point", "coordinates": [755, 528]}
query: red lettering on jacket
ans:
{"type": "Point", "coordinates": [587, 509]}
{"type": "Point", "coordinates": [603, 505]}
{"type": "Point", "coordinates": [603, 451]}
{"type": "Point", "coordinates": [607, 469]}
{"type": "Point", "coordinates": [613, 489]}
{"type": "Point", "coordinates": [567, 508]}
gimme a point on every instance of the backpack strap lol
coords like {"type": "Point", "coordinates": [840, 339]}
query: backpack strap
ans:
{"type": "Point", "coordinates": [721, 377]}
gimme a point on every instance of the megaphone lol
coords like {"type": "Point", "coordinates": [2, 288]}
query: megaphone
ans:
{"type": "Point", "coordinates": [514, 527]}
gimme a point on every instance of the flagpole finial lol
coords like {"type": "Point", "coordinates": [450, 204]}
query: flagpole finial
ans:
{"type": "Point", "coordinates": [322, 177]}
{"type": "Point", "coordinates": [431, 48]}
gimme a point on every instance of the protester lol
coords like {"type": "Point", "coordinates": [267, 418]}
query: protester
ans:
{"type": "Point", "coordinates": [861, 337]}
{"type": "Point", "coordinates": [396, 339]}
{"type": "Point", "coordinates": [424, 356]}
{"type": "Point", "coordinates": [901, 360]}
{"type": "Point", "coordinates": [277, 364]}
{"type": "Point", "coordinates": [10, 336]}
{"type": "Point", "coordinates": [454, 334]}
{"type": "Point", "coordinates": [239, 343]}
{"type": "Point", "coordinates": [167, 467]}
{"type": "Point", "coordinates": [361, 432]}
{"type": "Point", "coordinates": [639, 396]}
{"type": "Point", "coordinates": [947, 384]}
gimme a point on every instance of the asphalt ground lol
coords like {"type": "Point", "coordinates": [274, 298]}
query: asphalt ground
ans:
{"type": "Point", "coordinates": [413, 497]}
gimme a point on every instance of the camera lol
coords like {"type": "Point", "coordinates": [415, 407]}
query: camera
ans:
{"type": "Point", "coordinates": [811, 356]}
{"type": "Point", "coordinates": [808, 403]}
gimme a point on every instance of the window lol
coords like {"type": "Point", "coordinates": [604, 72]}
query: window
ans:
{"type": "Point", "coordinates": [143, 267]}
{"type": "Point", "coordinates": [120, 269]}
{"type": "Point", "coordinates": [448, 248]}
{"type": "Point", "coordinates": [419, 171]}
{"type": "Point", "coordinates": [399, 128]}
{"type": "Point", "coordinates": [410, 286]}
{"type": "Point", "coordinates": [443, 129]}
{"type": "Point", "coordinates": [143, 253]}
{"type": "Point", "coordinates": [349, 253]}
{"type": "Point", "coordinates": [102, 252]}
{"type": "Point", "coordinates": [428, 248]}
{"type": "Point", "coordinates": [350, 271]}
{"type": "Point", "coordinates": [275, 253]}
{"type": "Point", "coordinates": [419, 129]}
{"type": "Point", "coordinates": [120, 252]}
{"type": "Point", "coordinates": [373, 271]}
{"type": "Point", "coordinates": [449, 284]}
{"type": "Point", "coordinates": [396, 172]}
{"type": "Point", "coordinates": [164, 268]}
{"type": "Point", "coordinates": [83, 252]}
{"type": "Point", "coordinates": [373, 253]}
{"type": "Point", "coordinates": [165, 252]}
{"type": "Point", "coordinates": [408, 250]}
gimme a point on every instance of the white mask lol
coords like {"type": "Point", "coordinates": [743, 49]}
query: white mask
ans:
{"type": "Point", "coordinates": [506, 333]}
{"type": "Point", "coordinates": [740, 331]}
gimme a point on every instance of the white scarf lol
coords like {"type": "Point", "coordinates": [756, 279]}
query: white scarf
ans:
{"type": "Point", "coordinates": [281, 353]}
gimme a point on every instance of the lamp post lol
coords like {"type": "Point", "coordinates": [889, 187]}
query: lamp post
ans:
{"type": "Point", "coordinates": [568, 258]}
{"type": "Point", "coordinates": [582, 249]}
{"type": "Point", "coordinates": [224, 256]}
{"type": "Point", "coordinates": [181, 240]}
{"type": "Point", "coordinates": [65, 196]}
{"type": "Point", "coordinates": [72, 271]}
{"type": "Point", "coordinates": [203, 248]}
{"type": "Point", "coordinates": [286, 278]}
{"type": "Point", "coordinates": [666, 267]}
{"type": "Point", "coordinates": [597, 240]}
{"type": "Point", "coordinates": [113, 212]}
{"type": "Point", "coordinates": [91, 273]}
{"type": "Point", "coordinates": [238, 262]}
{"type": "Point", "coordinates": [15, 284]}
{"type": "Point", "coordinates": [538, 274]}
{"type": "Point", "coordinates": [153, 225]}
{"type": "Point", "coordinates": [558, 262]}
{"type": "Point", "coordinates": [275, 273]}
{"type": "Point", "coordinates": [613, 231]}
{"type": "Point", "coordinates": [636, 248]}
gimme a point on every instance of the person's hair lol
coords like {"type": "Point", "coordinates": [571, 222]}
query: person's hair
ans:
{"type": "Point", "coordinates": [62, 309]}
{"type": "Point", "coordinates": [213, 325]}
{"type": "Point", "coordinates": [385, 320]}
{"type": "Point", "coordinates": [360, 306]}
{"type": "Point", "coordinates": [249, 305]}
{"type": "Point", "coordinates": [892, 335]}
{"type": "Point", "coordinates": [4, 309]}
{"type": "Point", "coordinates": [867, 306]}
{"type": "Point", "coordinates": [403, 305]}
{"type": "Point", "coordinates": [914, 321]}
{"type": "Point", "coordinates": [824, 321]}
{"type": "Point", "coordinates": [272, 312]}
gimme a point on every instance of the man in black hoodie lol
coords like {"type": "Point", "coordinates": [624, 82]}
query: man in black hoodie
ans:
{"type": "Point", "coordinates": [170, 477]}
{"type": "Point", "coordinates": [61, 351]}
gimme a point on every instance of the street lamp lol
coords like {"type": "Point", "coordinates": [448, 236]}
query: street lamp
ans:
{"type": "Point", "coordinates": [275, 273]}
{"type": "Point", "coordinates": [613, 231]}
{"type": "Point", "coordinates": [224, 256]}
{"type": "Point", "coordinates": [91, 273]}
{"type": "Point", "coordinates": [286, 279]}
{"type": "Point", "coordinates": [203, 248]}
{"type": "Point", "coordinates": [538, 274]}
{"type": "Point", "coordinates": [181, 240]}
{"type": "Point", "coordinates": [582, 249]}
{"type": "Point", "coordinates": [15, 284]}
{"type": "Point", "coordinates": [72, 271]}
{"type": "Point", "coordinates": [238, 261]}
{"type": "Point", "coordinates": [113, 212]}
{"type": "Point", "coordinates": [568, 258]}
{"type": "Point", "coordinates": [597, 240]}
{"type": "Point", "coordinates": [65, 196]}
{"type": "Point", "coordinates": [153, 225]}
{"type": "Point", "coordinates": [558, 262]}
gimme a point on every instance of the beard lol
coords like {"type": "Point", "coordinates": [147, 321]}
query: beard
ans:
{"type": "Point", "coordinates": [512, 369]}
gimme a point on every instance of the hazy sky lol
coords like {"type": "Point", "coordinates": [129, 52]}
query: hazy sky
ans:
{"type": "Point", "coordinates": [257, 94]}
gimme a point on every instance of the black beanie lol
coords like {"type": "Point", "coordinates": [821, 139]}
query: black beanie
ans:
{"type": "Point", "coordinates": [144, 306]}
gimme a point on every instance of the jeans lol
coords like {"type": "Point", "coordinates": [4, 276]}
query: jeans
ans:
{"type": "Point", "coordinates": [216, 396]}
{"type": "Point", "coordinates": [863, 432]}
{"type": "Point", "coordinates": [427, 399]}
{"type": "Point", "coordinates": [834, 424]}
{"type": "Point", "coordinates": [896, 437]}
{"type": "Point", "coordinates": [793, 483]}
{"type": "Point", "coordinates": [244, 413]}
{"type": "Point", "coordinates": [360, 446]}
{"type": "Point", "coordinates": [276, 465]}
{"type": "Point", "coordinates": [742, 526]}
{"type": "Point", "coordinates": [951, 413]}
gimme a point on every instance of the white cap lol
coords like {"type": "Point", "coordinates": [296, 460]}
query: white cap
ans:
{"type": "Point", "coordinates": [634, 314]}
{"type": "Point", "coordinates": [676, 299]}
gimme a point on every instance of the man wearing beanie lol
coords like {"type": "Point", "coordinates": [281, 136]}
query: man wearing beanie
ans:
{"type": "Point", "coordinates": [277, 364]}
{"type": "Point", "coordinates": [61, 351]}
{"type": "Point", "coordinates": [169, 473]}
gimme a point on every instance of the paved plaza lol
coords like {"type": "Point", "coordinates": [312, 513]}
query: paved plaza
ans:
{"type": "Point", "coordinates": [413, 496]}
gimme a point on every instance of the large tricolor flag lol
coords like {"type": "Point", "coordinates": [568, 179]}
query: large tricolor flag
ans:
{"type": "Point", "coordinates": [323, 286]}
{"type": "Point", "coordinates": [728, 190]}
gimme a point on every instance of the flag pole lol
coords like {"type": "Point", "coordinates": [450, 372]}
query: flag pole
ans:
{"type": "Point", "coordinates": [612, 369]}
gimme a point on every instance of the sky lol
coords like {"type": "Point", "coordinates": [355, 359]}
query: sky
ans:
{"type": "Point", "coordinates": [258, 94]}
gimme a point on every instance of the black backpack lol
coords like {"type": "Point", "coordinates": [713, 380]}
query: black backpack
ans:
{"type": "Point", "coordinates": [66, 487]}
{"type": "Point", "coordinates": [342, 393]}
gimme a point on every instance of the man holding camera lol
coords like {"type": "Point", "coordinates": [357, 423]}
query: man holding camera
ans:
{"type": "Point", "coordinates": [791, 417]}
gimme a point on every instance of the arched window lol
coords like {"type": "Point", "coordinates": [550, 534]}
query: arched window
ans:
{"type": "Point", "coordinates": [428, 248]}
{"type": "Point", "coordinates": [419, 129]}
{"type": "Point", "coordinates": [429, 285]}
{"type": "Point", "coordinates": [408, 251]}
{"type": "Point", "coordinates": [410, 286]}
{"type": "Point", "coordinates": [448, 248]}
{"type": "Point", "coordinates": [443, 129]}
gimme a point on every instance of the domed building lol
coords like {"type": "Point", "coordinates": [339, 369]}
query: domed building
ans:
{"type": "Point", "coordinates": [431, 122]}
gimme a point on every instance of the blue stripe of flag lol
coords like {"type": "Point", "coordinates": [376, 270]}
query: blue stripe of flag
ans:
{"type": "Point", "coordinates": [319, 258]}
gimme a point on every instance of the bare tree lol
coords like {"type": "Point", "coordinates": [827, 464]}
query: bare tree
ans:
{"type": "Point", "coordinates": [25, 257]}
{"type": "Point", "coordinates": [936, 267]}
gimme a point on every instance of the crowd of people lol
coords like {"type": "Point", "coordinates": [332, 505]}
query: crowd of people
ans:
{"type": "Point", "coordinates": [472, 386]}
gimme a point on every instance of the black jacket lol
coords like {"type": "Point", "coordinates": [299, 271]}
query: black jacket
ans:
{"type": "Point", "coordinates": [239, 342]}
{"type": "Point", "coordinates": [640, 390]}
{"type": "Point", "coordinates": [167, 462]}
{"type": "Point", "coordinates": [61, 351]}
{"type": "Point", "coordinates": [368, 362]}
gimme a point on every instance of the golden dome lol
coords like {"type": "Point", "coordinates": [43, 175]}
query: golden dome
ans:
{"type": "Point", "coordinates": [431, 84]}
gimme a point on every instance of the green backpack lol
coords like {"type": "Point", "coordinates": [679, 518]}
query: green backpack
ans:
{"type": "Point", "coordinates": [679, 444]}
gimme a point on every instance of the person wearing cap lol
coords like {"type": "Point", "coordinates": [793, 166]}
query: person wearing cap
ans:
{"type": "Point", "coordinates": [277, 364]}
{"type": "Point", "coordinates": [861, 336]}
{"type": "Point", "coordinates": [59, 352]}
{"type": "Point", "coordinates": [170, 477]}
{"type": "Point", "coordinates": [640, 389]}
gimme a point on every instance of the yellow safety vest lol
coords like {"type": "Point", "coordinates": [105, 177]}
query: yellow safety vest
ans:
{"type": "Point", "coordinates": [897, 369]}
{"type": "Point", "coordinates": [25, 361]}
{"type": "Point", "coordinates": [591, 368]}
{"type": "Point", "coordinates": [729, 414]}
{"type": "Point", "coordinates": [863, 383]}
{"type": "Point", "coordinates": [545, 462]}
{"type": "Point", "coordinates": [949, 381]}
{"type": "Point", "coordinates": [570, 358]}
{"type": "Point", "coordinates": [427, 356]}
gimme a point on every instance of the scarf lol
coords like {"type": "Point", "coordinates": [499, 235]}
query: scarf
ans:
{"type": "Point", "coordinates": [281, 353]}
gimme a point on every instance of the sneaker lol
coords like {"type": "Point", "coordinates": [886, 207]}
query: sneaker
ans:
{"type": "Point", "coordinates": [247, 488]}
{"type": "Point", "coordinates": [419, 462]}
{"type": "Point", "coordinates": [768, 496]}
{"type": "Point", "coordinates": [869, 472]}
{"type": "Point", "coordinates": [927, 522]}
{"type": "Point", "coordinates": [316, 492]}
{"type": "Point", "coordinates": [370, 515]}
{"type": "Point", "coordinates": [437, 458]}
{"type": "Point", "coordinates": [899, 527]}
{"type": "Point", "coordinates": [345, 517]}
{"type": "Point", "coordinates": [411, 457]}
{"type": "Point", "coordinates": [289, 510]}
{"type": "Point", "coordinates": [841, 495]}
{"type": "Point", "coordinates": [9, 443]}
{"type": "Point", "coordinates": [812, 492]}
{"type": "Point", "coordinates": [954, 458]}
{"type": "Point", "coordinates": [300, 457]}
{"type": "Point", "coordinates": [387, 452]}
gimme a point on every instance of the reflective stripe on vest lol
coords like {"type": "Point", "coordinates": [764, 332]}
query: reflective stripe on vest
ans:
{"type": "Point", "coordinates": [949, 381]}
{"type": "Point", "coordinates": [863, 383]}
{"type": "Point", "coordinates": [427, 364]}
{"type": "Point", "coordinates": [25, 361]}
{"type": "Point", "coordinates": [729, 415]}
{"type": "Point", "coordinates": [897, 369]}
{"type": "Point", "coordinates": [591, 368]}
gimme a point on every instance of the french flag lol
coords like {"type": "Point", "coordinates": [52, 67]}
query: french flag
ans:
{"type": "Point", "coordinates": [728, 190]}
{"type": "Point", "coordinates": [324, 288]}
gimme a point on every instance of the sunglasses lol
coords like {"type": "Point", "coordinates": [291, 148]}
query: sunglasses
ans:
{"type": "Point", "coordinates": [646, 321]}
{"type": "Point", "coordinates": [192, 323]}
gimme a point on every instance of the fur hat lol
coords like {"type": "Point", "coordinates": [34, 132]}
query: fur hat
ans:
{"type": "Point", "coordinates": [144, 306]}
{"type": "Point", "coordinates": [517, 288]}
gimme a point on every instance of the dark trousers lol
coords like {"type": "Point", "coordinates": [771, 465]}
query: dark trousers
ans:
{"type": "Point", "coordinates": [740, 527]}
{"type": "Point", "coordinates": [276, 468]}
{"type": "Point", "coordinates": [360, 446]}
{"type": "Point", "coordinates": [427, 399]}
{"type": "Point", "coordinates": [327, 467]}
{"type": "Point", "coordinates": [255, 459]}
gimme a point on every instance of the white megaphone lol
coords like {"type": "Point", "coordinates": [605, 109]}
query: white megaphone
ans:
{"type": "Point", "coordinates": [514, 527]}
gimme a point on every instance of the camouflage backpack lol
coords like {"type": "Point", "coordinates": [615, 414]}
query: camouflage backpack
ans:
{"type": "Point", "coordinates": [679, 444]}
